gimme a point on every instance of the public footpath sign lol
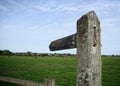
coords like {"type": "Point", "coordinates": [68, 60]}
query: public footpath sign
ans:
{"type": "Point", "coordinates": [88, 44]}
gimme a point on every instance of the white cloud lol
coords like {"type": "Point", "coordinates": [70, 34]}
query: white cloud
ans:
{"type": "Point", "coordinates": [73, 7]}
{"type": "Point", "coordinates": [55, 6]}
{"type": "Point", "coordinates": [8, 26]}
{"type": "Point", "coordinates": [102, 6]}
{"type": "Point", "coordinates": [19, 5]}
{"type": "Point", "coordinates": [3, 8]}
{"type": "Point", "coordinates": [47, 7]}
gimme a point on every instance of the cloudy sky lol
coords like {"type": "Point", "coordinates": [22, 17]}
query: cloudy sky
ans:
{"type": "Point", "coordinates": [30, 25]}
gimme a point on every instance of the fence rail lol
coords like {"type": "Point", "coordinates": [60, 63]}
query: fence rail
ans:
{"type": "Point", "coordinates": [47, 82]}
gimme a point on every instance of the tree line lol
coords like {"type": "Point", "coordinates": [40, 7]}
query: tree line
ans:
{"type": "Point", "coordinates": [5, 52]}
{"type": "Point", "coordinates": [28, 53]}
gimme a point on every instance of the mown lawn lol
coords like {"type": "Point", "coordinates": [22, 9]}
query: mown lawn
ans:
{"type": "Point", "coordinates": [63, 70]}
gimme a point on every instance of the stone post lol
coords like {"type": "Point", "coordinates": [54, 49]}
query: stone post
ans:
{"type": "Point", "coordinates": [88, 50]}
{"type": "Point", "coordinates": [49, 82]}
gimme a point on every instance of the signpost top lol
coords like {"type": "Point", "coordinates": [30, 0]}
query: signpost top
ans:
{"type": "Point", "coordinates": [70, 42]}
{"type": "Point", "coordinates": [87, 41]}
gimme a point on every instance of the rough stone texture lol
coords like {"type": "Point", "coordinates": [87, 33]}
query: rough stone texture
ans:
{"type": "Point", "coordinates": [63, 43]}
{"type": "Point", "coordinates": [88, 50]}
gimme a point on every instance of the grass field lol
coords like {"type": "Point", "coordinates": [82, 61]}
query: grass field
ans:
{"type": "Point", "coordinates": [63, 70]}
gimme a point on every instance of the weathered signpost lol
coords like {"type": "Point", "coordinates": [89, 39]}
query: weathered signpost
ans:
{"type": "Point", "coordinates": [87, 42]}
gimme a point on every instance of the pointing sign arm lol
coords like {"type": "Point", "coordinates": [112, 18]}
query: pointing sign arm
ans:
{"type": "Point", "coordinates": [63, 43]}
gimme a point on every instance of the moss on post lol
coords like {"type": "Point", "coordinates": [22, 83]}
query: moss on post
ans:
{"type": "Point", "coordinates": [88, 50]}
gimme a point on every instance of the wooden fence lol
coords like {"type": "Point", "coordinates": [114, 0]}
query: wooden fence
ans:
{"type": "Point", "coordinates": [47, 82]}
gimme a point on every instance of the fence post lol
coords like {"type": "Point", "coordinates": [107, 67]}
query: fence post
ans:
{"type": "Point", "coordinates": [49, 82]}
{"type": "Point", "coordinates": [88, 50]}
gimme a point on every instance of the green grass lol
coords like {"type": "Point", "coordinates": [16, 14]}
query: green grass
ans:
{"type": "Point", "coordinates": [111, 71]}
{"type": "Point", "coordinates": [29, 68]}
{"type": "Point", "coordinates": [63, 70]}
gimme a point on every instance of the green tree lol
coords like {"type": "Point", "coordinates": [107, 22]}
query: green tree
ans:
{"type": "Point", "coordinates": [1, 52]}
{"type": "Point", "coordinates": [29, 53]}
{"type": "Point", "coordinates": [7, 52]}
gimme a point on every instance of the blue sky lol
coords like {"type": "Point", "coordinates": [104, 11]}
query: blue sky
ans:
{"type": "Point", "coordinates": [30, 25]}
